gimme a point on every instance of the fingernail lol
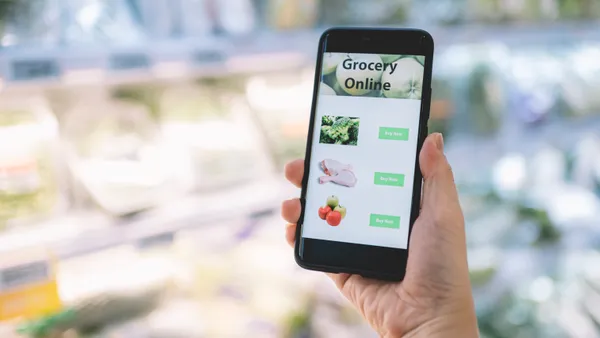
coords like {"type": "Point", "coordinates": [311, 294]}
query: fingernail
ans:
{"type": "Point", "coordinates": [439, 142]}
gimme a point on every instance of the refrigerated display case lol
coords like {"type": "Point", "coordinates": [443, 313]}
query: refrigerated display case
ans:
{"type": "Point", "coordinates": [377, 12]}
{"type": "Point", "coordinates": [234, 17]}
{"type": "Point", "coordinates": [295, 14]}
{"type": "Point", "coordinates": [211, 122]}
{"type": "Point", "coordinates": [516, 104]}
{"type": "Point", "coordinates": [281, 106]}
{"type": "Point", "coordinates": [30, 23]}
{"type": "Point", "coordinates": [115, 151]}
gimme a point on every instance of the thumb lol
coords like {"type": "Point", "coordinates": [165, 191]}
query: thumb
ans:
{"type": "Point", "coordinates": [438, 249]}
{"type": "Point", "coordinates": [439, 189]}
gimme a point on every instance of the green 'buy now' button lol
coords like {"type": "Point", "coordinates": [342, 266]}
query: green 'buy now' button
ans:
{"type": "Point", "coordinates": [383, 221]}
{"type": "Point", "coordinates": [397, 134]}
{"type": "Point", "coordinates": [395, 180]}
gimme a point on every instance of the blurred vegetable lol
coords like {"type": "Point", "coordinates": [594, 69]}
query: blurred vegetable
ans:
{"type": "Point", "coordinates": [484, 109]}
{"type": "Point", "coordinates": [481, 277]}
{"type": "Point", "coordinates": [547, 231]}
{"type": "Point", "coordinates": [147, 96]}
{"type": "Point", "coordinates": [29, 184]}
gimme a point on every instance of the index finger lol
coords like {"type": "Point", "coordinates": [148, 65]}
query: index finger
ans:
{"type": "Point", "coordinates": [294, 171]}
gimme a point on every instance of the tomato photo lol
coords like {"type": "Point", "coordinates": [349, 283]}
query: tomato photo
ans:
{"type": "Point", "coordinates": [323, 211]}
{"type": "Point", "coordinates": [334, 218]}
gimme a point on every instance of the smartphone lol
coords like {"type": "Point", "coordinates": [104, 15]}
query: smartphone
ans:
{"type": "Point", "coordinates": [362, 182]}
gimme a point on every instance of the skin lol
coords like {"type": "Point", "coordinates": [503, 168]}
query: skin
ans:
{"type": "Point", "coordinates": [434, 299]}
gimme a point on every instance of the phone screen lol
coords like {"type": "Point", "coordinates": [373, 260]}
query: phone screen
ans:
{"type": "Point", "coordinates": [364, 143]}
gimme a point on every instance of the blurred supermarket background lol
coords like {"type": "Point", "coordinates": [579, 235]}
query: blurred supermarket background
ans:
{"type": "Point", "coordinates": [142, 145]}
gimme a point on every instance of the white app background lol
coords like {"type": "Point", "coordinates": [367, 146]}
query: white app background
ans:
{"type": "Point", "coordinates": [369, 156]}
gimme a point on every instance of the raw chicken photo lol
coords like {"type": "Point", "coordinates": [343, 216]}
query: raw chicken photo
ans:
{"type": "Point", "coordinates": [338, 173]}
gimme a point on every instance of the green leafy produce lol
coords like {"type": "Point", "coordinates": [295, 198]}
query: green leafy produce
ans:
{"type": "Point", "coordinates": [327, 120]}
{"type": "Point", "coordinates": [484, 110]}
{"type": "Point", "coordinates": [341, 130]}
{"type": "Point", "coordinates": [547, 230]}
{"type": "Point", "coordinates": [28, 186]}
{"type": "Point", "coordinates": [147, 96]}
{"type": "Point", "coordinates": [481, 277]}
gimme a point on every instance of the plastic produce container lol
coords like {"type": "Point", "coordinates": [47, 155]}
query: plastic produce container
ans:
{"type": "Point", "coordinates": [30, 185]}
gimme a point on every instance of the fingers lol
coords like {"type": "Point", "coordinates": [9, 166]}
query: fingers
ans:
{"type": "Point", "coordinates": [290, 234]}
{"type": "Point", "coordinates": [294, 171]}
{"type": "Point", "coordinates": [290, 210]}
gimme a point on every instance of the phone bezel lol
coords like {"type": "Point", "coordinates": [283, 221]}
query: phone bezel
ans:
{"type": "Point", "coordinates": [366, 260]}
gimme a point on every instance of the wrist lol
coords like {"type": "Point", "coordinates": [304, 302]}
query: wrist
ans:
{"type": "Point", "coordinates": [458, 324]}
{"type": "Point", "coordinates": [457, 319]}
{"type": "Point", "coordinates": [444, 329]}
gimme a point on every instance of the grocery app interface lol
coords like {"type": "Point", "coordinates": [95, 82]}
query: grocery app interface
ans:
{"type": "Point", "coordinates": [363, 149]}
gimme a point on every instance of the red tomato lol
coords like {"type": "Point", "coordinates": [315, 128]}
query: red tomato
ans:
{"type": "Point", "coordinates": [324, 211]}
{"type": "Point", "coordinates": [334, 218]}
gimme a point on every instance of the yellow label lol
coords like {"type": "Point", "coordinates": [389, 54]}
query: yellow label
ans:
{"type": "Point", "coordinates": [30, 301]}
{"type": "Point", "coordinates": [28, 285]}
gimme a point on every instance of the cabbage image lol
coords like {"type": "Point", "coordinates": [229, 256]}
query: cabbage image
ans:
{"type": "Point", "coordinates": [406, 82]}
{"type": "Point", "coordinates": [331, 61]}
{"type": "Point", "coordinates": [326, 90]}
{"type": "Point", "coordinates": [358, 75]}
{"type": "Point", "coordinates": [389, 58]}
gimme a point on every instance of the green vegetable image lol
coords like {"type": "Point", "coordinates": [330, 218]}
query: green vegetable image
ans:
{"type": "Point", "coordinates": [357, 73]}
{"type": "Point", "coordinates": [389, 58]}
{"type": "Point", "coordinates": [331, 61]}
{"type": "Point", "coordinates": [327, 120]}
{"type": "Point", "coordinates": [338, 89]}
{"type": "Point", "coordinates": [420, 59]}
{"type": "Point", "coordinates": [340, 130]}
{"type": "Point", "coordinates": [406, 81]}
{"type": "Point", "coordinates": [326, 90]}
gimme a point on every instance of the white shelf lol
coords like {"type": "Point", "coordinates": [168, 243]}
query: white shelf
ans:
{"type": "Point", "coordinates": [154, 61]}
{"type": "Point", "coordinates": [261, 52]}
{"type": "Point", "coordinates": [78, 234]}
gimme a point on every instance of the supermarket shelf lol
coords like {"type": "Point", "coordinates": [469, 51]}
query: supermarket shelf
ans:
{"type": "Point", "coordinates": [79, 234]}
{"type": "Point", "coordinates": [155, 61]}
{"type": "Point", "coordinates": [518, 34]}
{"type": "Point", "coordinates": [262, 52]}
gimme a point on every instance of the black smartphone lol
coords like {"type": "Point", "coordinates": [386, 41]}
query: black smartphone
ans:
{"type": "Point", "coordinates": [361, 189]}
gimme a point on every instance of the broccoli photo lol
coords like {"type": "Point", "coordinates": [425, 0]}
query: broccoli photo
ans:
{"type": "Point", "coordinates": [339, 130]}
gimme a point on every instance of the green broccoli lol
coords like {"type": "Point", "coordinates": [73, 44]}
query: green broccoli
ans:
{"type": "Point", "coordinates": [325, 138]}
{"type": "Point", "coordinates": [354, 132]}
{"type": "Point", "coordinates": [327, 120]}
{"type": "Point", "coordinates": [341, 122]}
{"type": "Point", "coordinates": [344, 130]}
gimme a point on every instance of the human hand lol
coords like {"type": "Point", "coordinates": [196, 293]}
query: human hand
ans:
{"type": "Point", "coordinates": [434, 299]}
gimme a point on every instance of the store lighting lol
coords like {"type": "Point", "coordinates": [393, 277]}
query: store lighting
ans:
{"type": "Point", "coordinates": [572, 204]}
{"type": "Point", "coordinates": [541, 289]}
{"type": "Point", "coordinates": [510, 173]}
{"type": "Point", "coordinates": [585, 62]}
